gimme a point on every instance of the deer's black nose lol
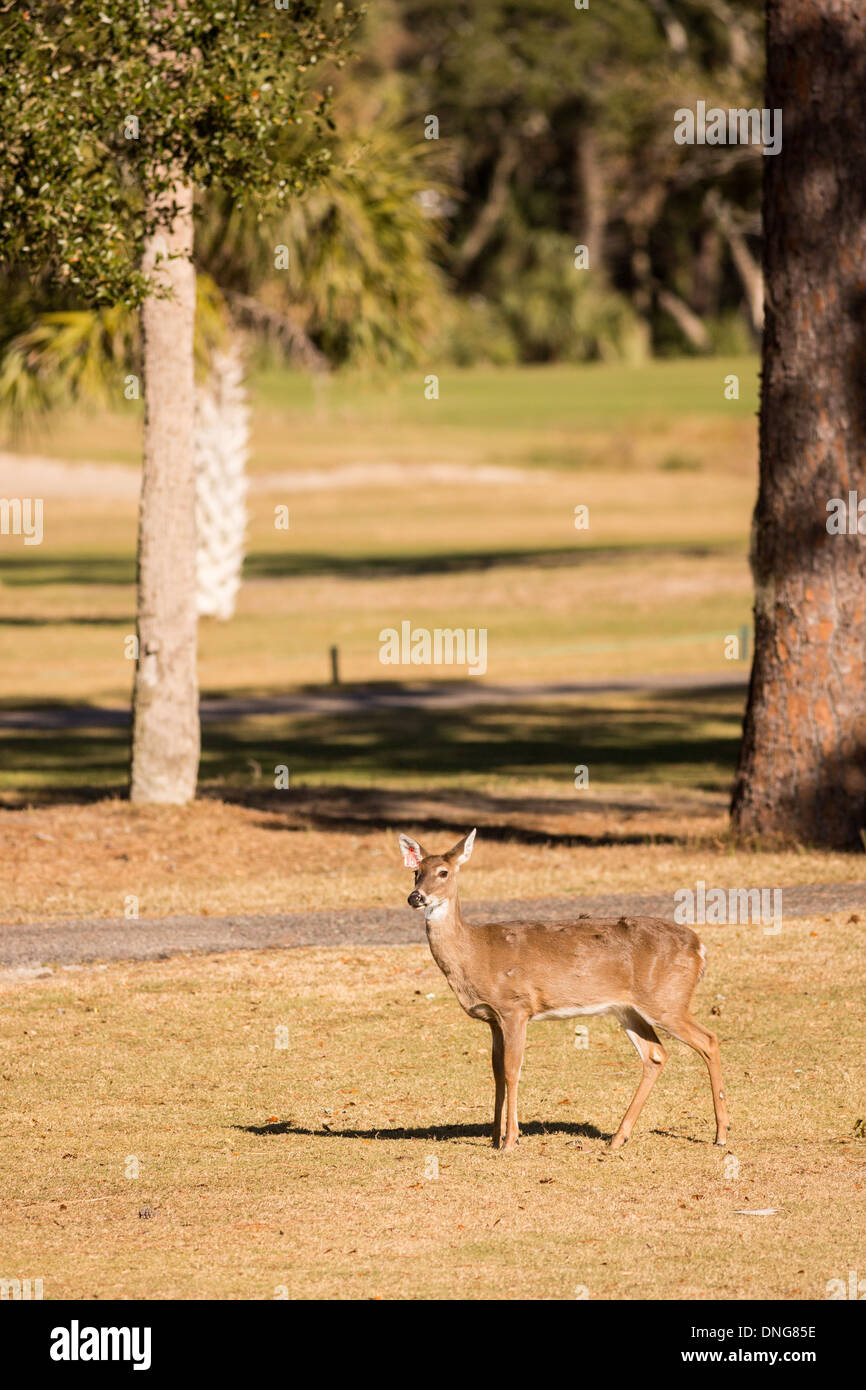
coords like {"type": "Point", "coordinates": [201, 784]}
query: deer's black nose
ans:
{"type": "Point", "coordinates": [415, 898]}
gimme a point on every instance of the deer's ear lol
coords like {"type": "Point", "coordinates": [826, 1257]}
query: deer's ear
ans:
{"type": "Point", "coordinates": [411, 851]}
{"type": "Point", "coordinates": [462, 850]}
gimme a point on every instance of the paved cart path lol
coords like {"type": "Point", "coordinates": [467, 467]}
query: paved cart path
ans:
{"type": "Point", "coordinates": [50, 943]}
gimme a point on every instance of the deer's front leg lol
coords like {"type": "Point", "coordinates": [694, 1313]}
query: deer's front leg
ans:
{"type": "Point", "coordinates": [498, 1059]}
{"type": "Point", "coordinates": [514, 1036]}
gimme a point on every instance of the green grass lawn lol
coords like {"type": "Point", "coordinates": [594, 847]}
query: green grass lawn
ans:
{"type": "Point", "coordinates": [505, 399]}
{"type": "Point", "coordinates": [540, 416]}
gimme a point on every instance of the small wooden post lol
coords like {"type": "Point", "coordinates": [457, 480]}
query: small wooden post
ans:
{"type": "Point", "coordinates": [335, 666]}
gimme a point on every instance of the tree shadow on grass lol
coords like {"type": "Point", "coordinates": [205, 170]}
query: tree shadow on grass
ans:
{"type": "Point", "coordinates": [77, 567]}
{"type": "Point", "coordinates": [693, 742]}
{"type": "Point", "coordinates": [509, 833]}
{"type": "Point", "coordinates": [667, 741]}
{"type": "Point", "coordinates": [282, 564]}
{"type": "Point", "coordinates": [435, 1132]}
{"type": "Point", "coordinates": [35, 571]}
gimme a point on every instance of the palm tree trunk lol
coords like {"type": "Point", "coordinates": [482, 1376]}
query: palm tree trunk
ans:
{"type": "Point", "coordinates": [802, 771]}
{"type": "Point", "coordinates": [221, 434]}
{"type": "Point", "coordinates": [165, 738]}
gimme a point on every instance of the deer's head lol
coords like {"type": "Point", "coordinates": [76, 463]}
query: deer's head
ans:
{"type": "Point", "coordinates": [435, 874]}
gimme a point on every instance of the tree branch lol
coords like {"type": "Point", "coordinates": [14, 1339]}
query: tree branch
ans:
{"type": "Point", "coordinates": [481, 231]}
{"type": "Point", "coordinates": [748, 269]}
{"type": "Point", "coordinates": [692, 327]}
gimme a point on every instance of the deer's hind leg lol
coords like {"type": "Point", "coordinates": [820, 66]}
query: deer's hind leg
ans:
{"type": "Point", "coordinates": [653, 1056]}
{"type": "Point", "coordinates": [689, 1031]}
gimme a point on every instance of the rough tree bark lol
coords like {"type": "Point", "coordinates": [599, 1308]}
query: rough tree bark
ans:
{"type": "Point", "coordinates": [802, 769]}
{"type": "Point", "coordinates": [165, 739]}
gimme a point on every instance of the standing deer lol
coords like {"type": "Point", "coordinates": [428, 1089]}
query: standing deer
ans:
{"type": "Point", "coordinates": [642, 970]}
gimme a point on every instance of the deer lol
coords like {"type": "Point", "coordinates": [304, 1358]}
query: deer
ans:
{"type": "Point", "coordinates": [641, 970]}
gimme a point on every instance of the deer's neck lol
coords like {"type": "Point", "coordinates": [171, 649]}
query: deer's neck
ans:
{"type": "Point", "coordinates": [446, 934]}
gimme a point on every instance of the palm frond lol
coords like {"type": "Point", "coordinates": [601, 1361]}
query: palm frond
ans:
{"type": "Point", "coordinates": [83, 355]}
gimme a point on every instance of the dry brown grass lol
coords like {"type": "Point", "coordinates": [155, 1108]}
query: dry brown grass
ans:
{"type": "Point", "coordinates": [215, 858]}
{"type": "Point", "coordinates": [310, 1168]}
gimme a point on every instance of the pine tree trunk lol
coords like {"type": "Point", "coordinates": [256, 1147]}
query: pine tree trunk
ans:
{"type": "Point", "coordinates": [802, 770]}
{"type": "Point", "coordinates": [165, 739]}
{"type": "Point", "coordinates": [221, 433]}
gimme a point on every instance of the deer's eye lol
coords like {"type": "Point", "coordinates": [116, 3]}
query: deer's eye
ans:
{"type": "Point", "coordinates": [443, 873]}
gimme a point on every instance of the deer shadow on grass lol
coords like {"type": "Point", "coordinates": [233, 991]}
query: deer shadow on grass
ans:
{"type": "Point", "coordinates": [436, 1132]}
{"type": "Point", "coordinates": [682, 1137]}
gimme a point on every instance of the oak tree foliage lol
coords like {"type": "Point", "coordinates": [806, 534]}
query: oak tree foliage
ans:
{"type": "Point", "coordinates": [103, 107]}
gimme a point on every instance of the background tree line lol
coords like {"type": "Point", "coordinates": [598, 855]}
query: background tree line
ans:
{"type": "Point", "coordinates": [555, 129]}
